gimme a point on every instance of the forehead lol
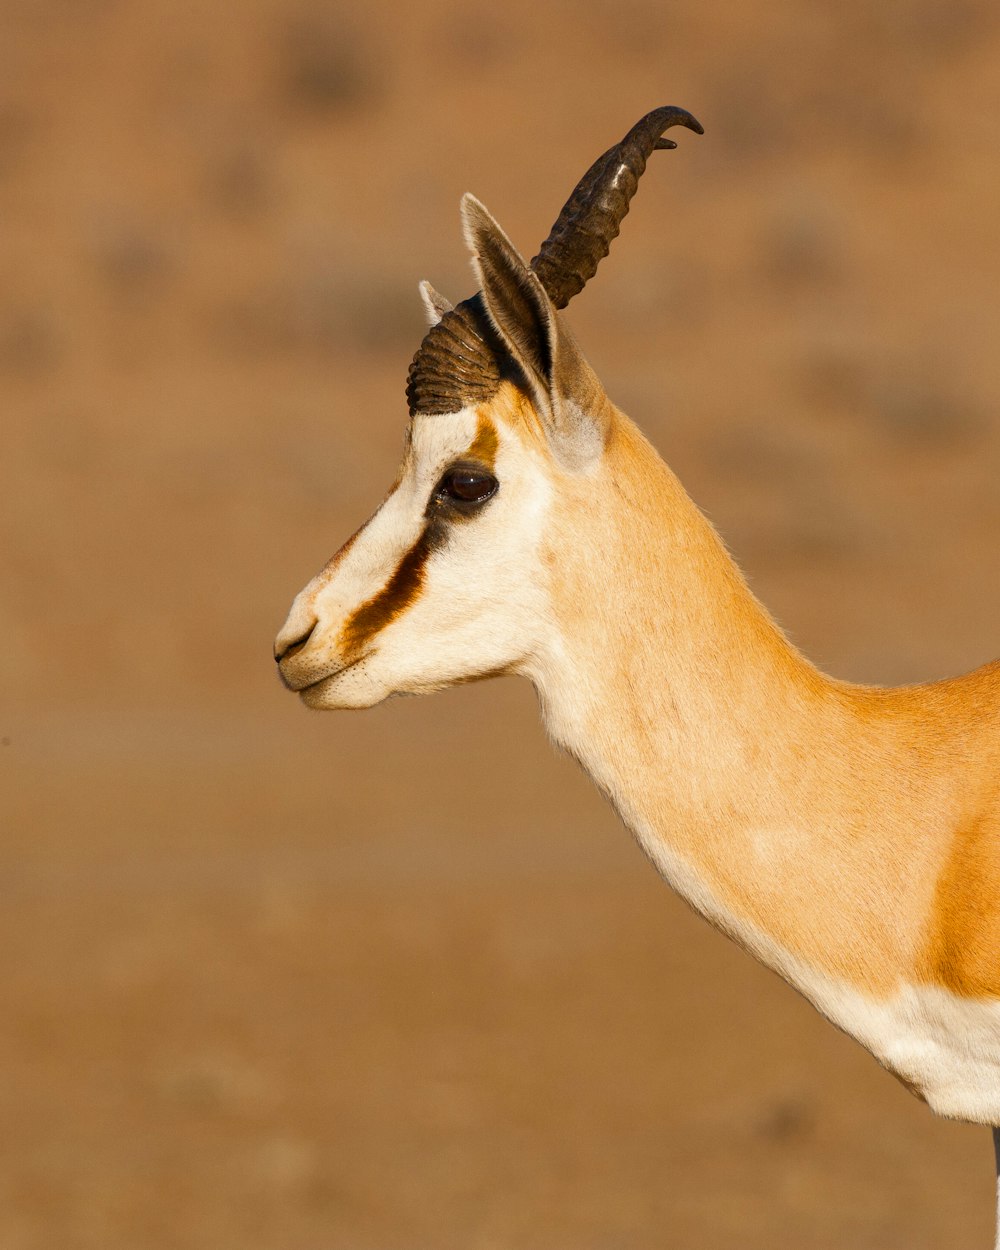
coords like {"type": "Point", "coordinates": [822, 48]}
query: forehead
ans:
{"type": "Point", "coordinates": [434, 439]}
{"type": "Point", "coordinates": [476, 432]}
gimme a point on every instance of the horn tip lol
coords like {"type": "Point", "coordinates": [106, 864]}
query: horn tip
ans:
{"type": "Point", "coordinates": [672, 115]}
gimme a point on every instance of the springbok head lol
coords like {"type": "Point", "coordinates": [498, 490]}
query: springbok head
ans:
{"type": "Point", "coordinates": [451, 579]}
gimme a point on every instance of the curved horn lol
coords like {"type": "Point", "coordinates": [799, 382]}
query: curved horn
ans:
{"type": "Point", "coordinates": [593, 214]}
{"type": "Point", "coordinates": [458, 362]}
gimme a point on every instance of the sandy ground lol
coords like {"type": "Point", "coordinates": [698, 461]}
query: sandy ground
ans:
{"type": "Point", "coordinates": [398, 980]}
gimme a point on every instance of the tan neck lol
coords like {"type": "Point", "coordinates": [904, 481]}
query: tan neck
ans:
{"type": "Point", "coordinates": [722, 747]}
{"type": "Point", "coordinates": [664, 647]}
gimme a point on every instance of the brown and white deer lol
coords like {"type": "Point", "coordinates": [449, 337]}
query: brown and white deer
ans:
{"type": "Point", "coordinates": [848, 836]}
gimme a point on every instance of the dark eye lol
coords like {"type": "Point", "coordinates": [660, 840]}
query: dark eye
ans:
{"type": "Point", "coordinates": [466, 486]}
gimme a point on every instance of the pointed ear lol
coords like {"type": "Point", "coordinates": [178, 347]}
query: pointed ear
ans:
{"type": "Point", "coordinates": [515, 299]}
{"type": "Point", "coordinates": [435, 304]}
{"type": "Point", "coordinates": [569, 399]}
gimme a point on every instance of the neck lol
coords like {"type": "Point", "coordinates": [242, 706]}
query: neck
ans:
{"type": "Point", "coordinates": [734, 761]}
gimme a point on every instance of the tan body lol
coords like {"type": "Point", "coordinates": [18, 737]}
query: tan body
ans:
{"type": "Point", "coordinates": [848, 836]}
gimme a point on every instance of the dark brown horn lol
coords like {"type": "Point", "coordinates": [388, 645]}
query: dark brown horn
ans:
{"type": "Point", "coordinates": [593, 214]}
{"type": "Point", "coordinates": [461, 359]}
{"type": "Point", "coordinates": [457, 363]}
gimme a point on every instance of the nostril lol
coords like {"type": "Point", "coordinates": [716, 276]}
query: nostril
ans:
{"type": "Point", "coordinates": [294, 647]}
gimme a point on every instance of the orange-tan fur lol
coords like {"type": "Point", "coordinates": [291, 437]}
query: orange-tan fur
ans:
{"type": "Point", "coordinates": [858, 826]}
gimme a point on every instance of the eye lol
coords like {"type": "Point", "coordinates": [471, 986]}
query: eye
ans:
{"type": "Point", "coordinates": [466, 486]}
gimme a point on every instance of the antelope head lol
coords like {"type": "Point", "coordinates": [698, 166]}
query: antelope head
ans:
{"type": "Point", "coordinates": [451, 579]}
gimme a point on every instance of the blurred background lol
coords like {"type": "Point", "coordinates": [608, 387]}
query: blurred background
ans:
{"type": "Point", "coordinates": [398, 980]}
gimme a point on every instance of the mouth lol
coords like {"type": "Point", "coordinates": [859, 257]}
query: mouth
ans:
{"type": "Point", "coordinates": [313, 686]}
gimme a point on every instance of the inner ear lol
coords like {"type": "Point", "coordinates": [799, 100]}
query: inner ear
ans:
{"type": "Point", "coordinates": [515, 300]}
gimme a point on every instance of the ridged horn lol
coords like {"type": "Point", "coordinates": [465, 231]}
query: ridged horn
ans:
{"type": "Point", "coordinates": [592, 216]}
{"type": "Point", "coordinates": [461, 359]}
{"type": "Point", "coordinates": [458, 362]}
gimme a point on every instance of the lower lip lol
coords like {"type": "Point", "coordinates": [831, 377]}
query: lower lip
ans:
{"type": "Point", "coordinates": [315, 685]}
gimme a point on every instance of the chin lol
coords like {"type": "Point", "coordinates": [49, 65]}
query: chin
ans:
{"type": "Point", "coordinates": [344, 691]}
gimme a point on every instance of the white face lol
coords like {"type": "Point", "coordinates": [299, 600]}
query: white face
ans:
{"type": "Point", "coordinates": [433, 590]}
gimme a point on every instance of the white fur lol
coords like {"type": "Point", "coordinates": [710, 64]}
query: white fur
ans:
{"type": "Point", "coordinates": [472, 616]}
{"type": "Point", "coordinates": [945, 1048]}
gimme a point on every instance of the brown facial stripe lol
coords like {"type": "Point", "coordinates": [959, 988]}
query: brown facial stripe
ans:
{"type": "Point", "coordinates": [405, 585]}
{"type": "Point", "coordinates": [484, 445]}
{"type": "Point", "coordinates": [400, 591]}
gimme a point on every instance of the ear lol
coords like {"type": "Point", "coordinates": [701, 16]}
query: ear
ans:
{"type": "Point", "coordinates": [570, 401]}
{"type": "Point", "coordinates": [435, 304]}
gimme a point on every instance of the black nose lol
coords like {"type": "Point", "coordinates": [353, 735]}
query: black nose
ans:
{"type": "Point", "coordinates": [295, 646]}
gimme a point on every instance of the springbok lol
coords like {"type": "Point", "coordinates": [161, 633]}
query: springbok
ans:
{"type": "Point", "coordinates": [848, 836]}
